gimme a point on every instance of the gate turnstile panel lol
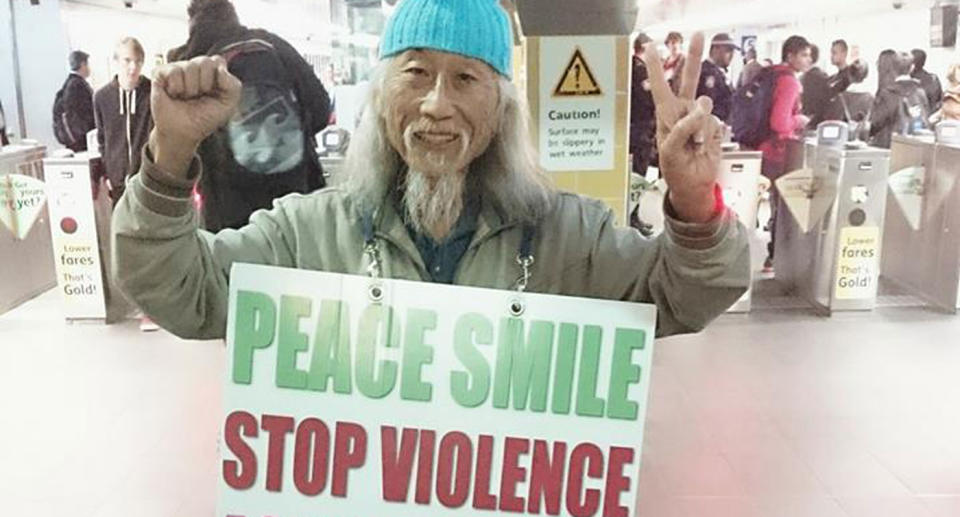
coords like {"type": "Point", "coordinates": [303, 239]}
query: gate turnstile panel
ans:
{"type": "Point", "coordinates": [26, 264]}
{"type": "Point", "coordinates": [924, 258]}
{"type": "Point", "coordinates": [739, 182]}
{"type": "Point", "coordinates": [944, 188]}
{"type": "Point", "coordinates": [834, 263]}
{"type": "Point", "coordinates": [859, 215]}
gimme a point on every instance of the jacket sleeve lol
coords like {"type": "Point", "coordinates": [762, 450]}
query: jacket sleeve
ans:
{"type": "Point", "coordinates": [175, 272]}
{"type": "Point", "coordinates": [98, 122]}
{"type": "Point", "coordinates": [79, 112]}
{"type": "Point", "coordinates": [885, 108]}
{"type": "Point", "coordinates": [783, 119]}
{"type": "Point", "coordinates": [936, 98]}
{"type": "Point", "coordinates": [840, 81]}
{"type": "Point", "coordinates": [692, 272]}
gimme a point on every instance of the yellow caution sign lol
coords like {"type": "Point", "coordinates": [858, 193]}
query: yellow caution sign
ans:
{"type": "Point", "coordinates": [577, 79]}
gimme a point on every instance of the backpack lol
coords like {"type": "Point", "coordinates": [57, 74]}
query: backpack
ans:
{"type": "Point", "coordinates": [912, 113]}
{"type": "Point", "coordinates": [751, 108]}
{"type": "Point", "coordinates": [267, 134]}
{"type": "Point", "coordinates": [61, 129]}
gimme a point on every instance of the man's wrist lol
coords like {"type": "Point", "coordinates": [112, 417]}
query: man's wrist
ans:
{"type": "Point", "coordinates": [696, 206]}
{"type": "Point", "coordinates": [172, 155]}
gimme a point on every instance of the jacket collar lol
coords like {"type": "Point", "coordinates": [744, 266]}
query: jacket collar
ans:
{"type": "Point", "coordinates": [389, 225]}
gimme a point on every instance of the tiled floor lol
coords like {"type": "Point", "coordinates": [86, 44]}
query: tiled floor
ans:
{"type": "Point", "coordinates": [773, 414]}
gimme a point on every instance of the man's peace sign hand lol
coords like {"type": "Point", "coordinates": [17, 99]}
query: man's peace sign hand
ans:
{"type": "Point", "coordinates": [688, 136]}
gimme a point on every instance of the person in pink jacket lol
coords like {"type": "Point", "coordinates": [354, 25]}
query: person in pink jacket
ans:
{"type": "Point", "coordinates": [786, 121]}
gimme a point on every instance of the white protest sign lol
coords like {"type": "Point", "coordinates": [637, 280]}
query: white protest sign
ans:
{"type": "Point", "coordinates": [434, 400]}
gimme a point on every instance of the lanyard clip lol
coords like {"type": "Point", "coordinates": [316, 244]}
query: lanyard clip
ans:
{"type": "Point", "coordinates": [525, 262]}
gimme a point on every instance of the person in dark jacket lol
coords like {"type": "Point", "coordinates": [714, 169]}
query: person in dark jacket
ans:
{"type": "Point", "coordinates": [122, 113]}
{"type": "Point", "coordinates": [817, 96]}
{"type": "Point", "coordinates": [840, 81]}
{"type": "Point", "coordinates": [643, 118]}
{"type": "Point", "coordinates": [78, 102]}
{"type": "Point", "coordinates": [643, 122]}
{"type": "Point", "coordinates": [751, 67]}
{"type": "Point", "coordinates": [899, 104]}
{"type": "Point", "coordinates": [230, 197]}
{"type": "Point", "coordinates": [3, 128]}
{"type": "Point", "coordinates": [929, 82]}
{"type": "Point", "coordinates": [713, 76]}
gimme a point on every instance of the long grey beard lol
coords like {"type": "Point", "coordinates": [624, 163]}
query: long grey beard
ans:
{"type": "Point", "coordinates": [433, 204]}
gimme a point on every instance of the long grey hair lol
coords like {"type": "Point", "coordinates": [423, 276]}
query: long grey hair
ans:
{"type": "Point", "coordinates": [507, 173]}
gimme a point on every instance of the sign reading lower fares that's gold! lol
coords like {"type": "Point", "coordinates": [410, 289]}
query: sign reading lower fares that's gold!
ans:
{"type": "Point", "coordinates": [433, 400]}
{"type": "Point", "coordinates": [858, 263]}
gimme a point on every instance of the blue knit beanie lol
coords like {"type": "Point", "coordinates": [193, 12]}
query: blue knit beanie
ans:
{"type": "Point", "coordinates": [474, 28]}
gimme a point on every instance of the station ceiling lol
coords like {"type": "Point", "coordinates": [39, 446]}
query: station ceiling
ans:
{"type": "Point", "coordinates": [707, 14]}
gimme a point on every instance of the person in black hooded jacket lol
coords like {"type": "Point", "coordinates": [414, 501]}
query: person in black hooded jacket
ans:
{"type": "Point", "coordinates": [122, 113]}
{"type": "Point", "coordinates": [230, 194]}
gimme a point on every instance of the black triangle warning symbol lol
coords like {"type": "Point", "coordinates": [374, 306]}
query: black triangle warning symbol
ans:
{"type": "Point", "coordinates": [577, 79]}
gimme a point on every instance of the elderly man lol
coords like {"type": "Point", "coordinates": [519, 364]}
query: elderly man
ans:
{"type": "Point", "coordinates": [442, 185]}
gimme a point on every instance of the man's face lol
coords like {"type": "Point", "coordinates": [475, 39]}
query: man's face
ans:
{"type": "Point", "coordinates": [84, 70]}
{"type": "Point", "coordinates": [440, 110]}
{"type": "Point", "coordinates": [643, 51]}
{"type": "Point", "coordinates": [129, 65]}
{"type": "Point", "coordinates": [675, 47]}
{"type": "Point", "coordinates": [838, 56]}
{"type": "Point", "coordinates": [800, 61]}
{"type": "Point", "coordinates": [723, 55]}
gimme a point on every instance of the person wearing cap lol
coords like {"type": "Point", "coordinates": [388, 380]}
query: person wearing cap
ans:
{"type": "Point", "coordinates": [713, 77]}
{"type": "Point", "coordinates": [441, 184]}
{"type": "Point", "coordinates": [77, 101]}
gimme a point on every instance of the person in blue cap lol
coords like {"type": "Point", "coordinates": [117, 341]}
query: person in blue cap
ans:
{"type": "Point", "coordinates": [441, 183]}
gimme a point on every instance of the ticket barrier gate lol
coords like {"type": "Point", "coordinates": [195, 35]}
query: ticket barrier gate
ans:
{"type": "Point", "coordinates": [922, 230]}
{"type": "Point", "coordinates": [81, 212]}
{"type": "Point", "coordinates": [26, 266]}
{"type": "Point", "coordinates": [740, 182]}
{"type": "Point", "coordinates": [830, 222]}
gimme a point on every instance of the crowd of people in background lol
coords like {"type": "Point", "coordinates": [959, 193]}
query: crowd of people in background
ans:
{"type": "Point", "coordinates": [268, 147]}
{"type": "Point", "coordinates": [766, 106]}
{"type": "Point", "coordinates": [770, 104]}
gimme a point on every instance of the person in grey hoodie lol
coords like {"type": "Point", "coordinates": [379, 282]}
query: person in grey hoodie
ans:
{"type": "Point", "coordinates": [122, 115]}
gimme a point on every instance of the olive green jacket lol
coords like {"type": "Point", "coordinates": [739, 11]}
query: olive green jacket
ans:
{"type": "Point", "coordinates": [178, 274]}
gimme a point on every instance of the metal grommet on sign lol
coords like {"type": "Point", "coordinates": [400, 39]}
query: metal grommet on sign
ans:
{"type": "Point", "coordinates": [375, 292]}
{"type": "Point", "coordinates": [516, 307]}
